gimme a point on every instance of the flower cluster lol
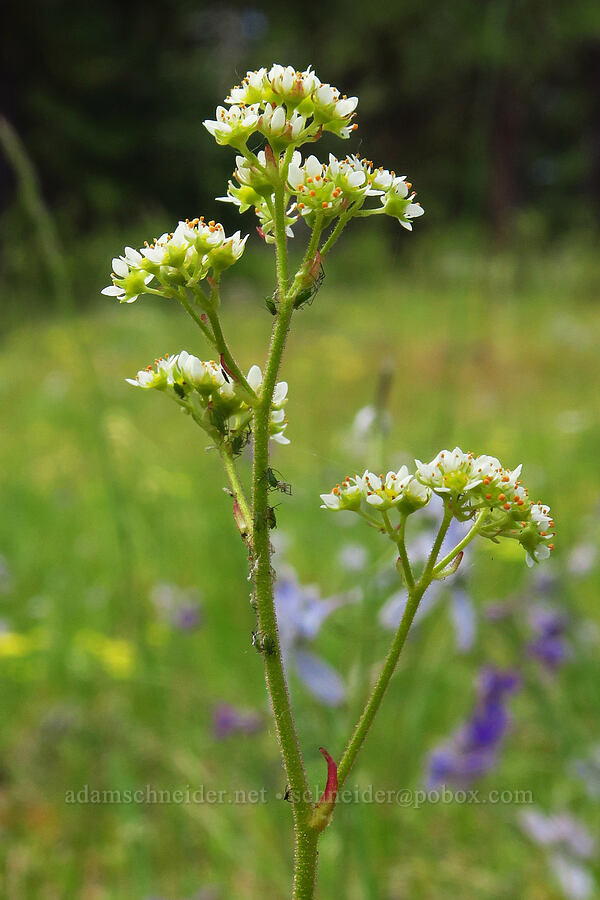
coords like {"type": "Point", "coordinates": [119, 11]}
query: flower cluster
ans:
{"type": "Point", "coordinates": [217, 402]}
{"type": "Point", "coordinates": [399, 490]}
{"type": "Point", "coordinates": [468, 485]}
{"type": "Point", "coordinates": [330, 189]}
{"type": "Point", "coordinates": [178, 259]}
{"type": "Point", "coordinates": [284, 105]}
{"type": "Point", "coordinates": [471, 483]}
{"type": "Point", "coordinates": [323, 190]}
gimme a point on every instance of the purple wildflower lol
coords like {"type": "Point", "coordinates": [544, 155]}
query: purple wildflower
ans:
{"type": "Point", "coordinates": [549, 645]}
{"type": "Point", "coordinates": [576, 881]}
{"type": "Point", "coordinates": [582, 559]}
{"type": "Point", "coordinates": [187, 618]}
{"type": "Point", "coordinates": [473, 750]}
{"type": "Point", "coordinates": [180, 607]}
{"type": "Point", "coordinates": [228, 720]}
{"type": "Point", "coordinates": [300, 615]}
{"type": "Point", "coordinates": [588, 770]}
{"type": "Point", "coordinates": [567, 842]}
{"type": "Point", "coordinates": [559, 831]}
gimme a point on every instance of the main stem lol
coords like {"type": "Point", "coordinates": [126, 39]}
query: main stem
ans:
{"type": "Point", "coordinates": [305, 836]}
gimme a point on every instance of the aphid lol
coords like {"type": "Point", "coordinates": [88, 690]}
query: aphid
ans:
{"type": "Point", "coordinates": [239, 441]}
{"type": "Point", "coordinates": [276, 483]}
{"type": "Point", "coordinates": [271, 518]}
{"type": "Point", "coordinates": [220, 420]}
{"type": "Point", "coordinates": [263, 643]}
{"type": "Point", "coordinates": [316, 276]}
{"type": "Point", "coordinates": [270, 304]}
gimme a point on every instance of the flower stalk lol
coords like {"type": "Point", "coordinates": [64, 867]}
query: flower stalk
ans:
{"type": "Point", "coordinates": [289, 109]}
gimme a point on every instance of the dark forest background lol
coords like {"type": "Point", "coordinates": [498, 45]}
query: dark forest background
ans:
{"type": "Point", "coordinates": [495, 104]}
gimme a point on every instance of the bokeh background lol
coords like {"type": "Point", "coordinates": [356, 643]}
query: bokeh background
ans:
{"type": "Point", "coordinates": [125, 628]}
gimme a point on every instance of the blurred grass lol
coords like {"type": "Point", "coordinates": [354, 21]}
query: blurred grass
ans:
{"type": "Point", "coordinates": [107, 491]}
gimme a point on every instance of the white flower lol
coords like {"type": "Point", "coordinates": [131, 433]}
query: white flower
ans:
{"type": "Point", "coordinates": [292, 87]}
{"type": "Point", "coordinates": [286, 89]}
{"type": "Point", "coordinates": [383, 493]}
{"type": "Point", "coordinates": [128, 277]}
{"type": "Point", "coordinates": [277, 421]}
{"type": "Point", "coordinates": [346, 495]}
{"type": "Point", "coordinates": [451, 471]}
{"type": "Point", "coordinates": [541, 516]}
{"type": "Point", "coordinates": [396, 489]}
{"type": "Point", "coordinates": [397, 202]}
{"type": "Point", "coordinates": [161, 376]}
{"type": "Point", "coordinates": [227, 253]}
{"type": "Point", "coordinates": [251, 89]}
{"type": "Point", "coordinates": [233, 125]}
{"type": "Point", "coordinates": [204, 376]}
{"type": "Point", "coordinates": [273, 119]}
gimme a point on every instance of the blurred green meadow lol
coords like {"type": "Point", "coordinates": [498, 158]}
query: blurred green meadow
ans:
{"type": "Point", "coordinates": [108, 492]}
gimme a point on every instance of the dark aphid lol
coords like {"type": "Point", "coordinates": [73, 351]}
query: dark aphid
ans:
{"type": "Point", "coordinates": [276, 483]}
{"type": "Point", "coordinates": [263, 643]}
{"type": "Point", "coordinates": [219, 420]}
{"type": "Point", "coordinates": [306, 296]}
{"type": "Point", "coordinates": [270, 304]}
{"type": "Point", "coordinates": [239, 441]}
{"type": "Point", "coordinates": [303, 297]}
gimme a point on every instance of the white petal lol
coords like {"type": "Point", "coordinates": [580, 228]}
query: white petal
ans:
{"type": "Point", "coordinates": [295, 176]}
{"type": "Point", "coordinates": [254, 378]}
{"type": "Point", "coordinates": [120, 267]}
{"type": "Point", "coordinates": [280, 392]}
{"type": "Point", "coordinates": [313, 166]}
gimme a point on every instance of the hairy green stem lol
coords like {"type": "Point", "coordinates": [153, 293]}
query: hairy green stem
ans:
{"type": "Point", "coordinates": [415, 593]}
{"type": "Point", "coordinates": [196, 316]}
{"type": "Point", "coordinates": [237, 489]}
{"type": "Point", "coordinates": [435, 550]}
{"type": "Point", "coordinates": [482, 514]}
{"type": "Point", "coordinates": [341, 224]}
{"type": "Point", "coordinates": [302, 805]}
{"type": "Point", "coordinates": [397, 535]}
{"type": "Point", "coordinates": [374, 702]}
{"type": "Point", "coordinates": [310, 254]}
{"type": "Point", "coordinates": [223, 348]}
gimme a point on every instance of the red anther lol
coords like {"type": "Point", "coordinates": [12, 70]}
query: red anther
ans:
{"type": "Point", "coordinates": [331, 788]}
